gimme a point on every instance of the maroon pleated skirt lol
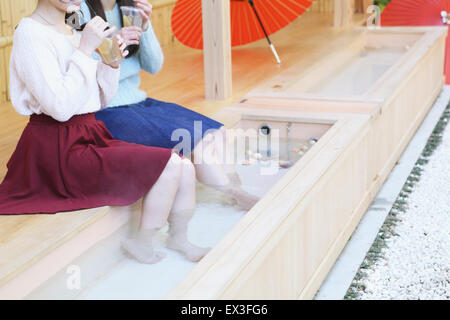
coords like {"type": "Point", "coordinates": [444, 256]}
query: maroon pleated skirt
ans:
{"type": "Point", "coordinates": [73, 165]}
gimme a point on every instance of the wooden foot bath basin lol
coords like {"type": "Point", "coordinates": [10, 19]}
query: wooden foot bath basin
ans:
{"type": "Point", "coordinates": [359, 105]}
{"type": "Point", "coordinates": [373, 66]}
{"type": "Point", "coordinates": [375, 93]}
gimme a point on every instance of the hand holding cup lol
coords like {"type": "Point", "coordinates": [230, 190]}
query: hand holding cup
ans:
{"type": "Point", "coordinates": [112, 50]}
{"type": "Point", "coordinates": [98, 37]}
{"type": "Point", "coordinates": [131, 35]}
{"type": "Point", "coordinates": [93, 35]}
{"type": "Point", "coordinates": [146, 12]}
{"type": "Point", "coordinates": [138, 16]}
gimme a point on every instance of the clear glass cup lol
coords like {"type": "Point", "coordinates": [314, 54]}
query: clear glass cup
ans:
{"type": "Point", "coordinates": [110, 50]}
{"type": "Point", "coordinates": [131, 16]}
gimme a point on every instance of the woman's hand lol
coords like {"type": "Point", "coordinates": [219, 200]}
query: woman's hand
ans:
{"type": "Point", "coordinates": [122, 45]}
{"type": "Point", "coordinates": [146, 12]}
{"type": "Point", "coordinates": [131, 35]}
{"type": "Point", "coordinates": [93, 35]}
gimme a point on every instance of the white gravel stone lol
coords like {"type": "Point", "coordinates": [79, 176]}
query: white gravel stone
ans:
{"type": "Point", "coordinates": [416, 264]}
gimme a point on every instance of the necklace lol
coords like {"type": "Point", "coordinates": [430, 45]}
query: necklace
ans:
{"type": "Point", "coordinates": [49, 23]}
{"type": "Point", "coordinates": [52, 24]}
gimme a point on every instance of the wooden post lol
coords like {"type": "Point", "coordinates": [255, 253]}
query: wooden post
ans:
{"type": "Point", "coordinates": [343, 13]}
{"type": "Point", "coordinates": [217, 49]}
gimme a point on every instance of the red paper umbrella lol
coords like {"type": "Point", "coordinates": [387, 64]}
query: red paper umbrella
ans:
{"type": "Point", "coordinates": [419, 13]}
{"type": "Point", "coordinates": [251, 20]}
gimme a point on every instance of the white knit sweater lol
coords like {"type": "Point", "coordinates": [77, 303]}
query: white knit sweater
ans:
{"type": "Point", "coordinates": [49, 75]}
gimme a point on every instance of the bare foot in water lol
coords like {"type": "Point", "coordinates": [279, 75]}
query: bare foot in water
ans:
{"type": "Point", "coordinates": [243, 199]}
{"type": "Point", "coordinates": [234, 179]}
{"type": "Point", "coordinates": [142, 251]}
{"type": "Point", "coordinates": [190, 251]}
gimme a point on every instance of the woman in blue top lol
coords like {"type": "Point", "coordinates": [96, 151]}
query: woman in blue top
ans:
{"type": "Point", "coordinates": [133, 117]}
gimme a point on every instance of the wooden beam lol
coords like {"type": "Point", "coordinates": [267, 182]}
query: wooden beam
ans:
{"type": "Point", "coordinates": [217, 49]}
{"type": "Point", "coordinates": [343, 13]}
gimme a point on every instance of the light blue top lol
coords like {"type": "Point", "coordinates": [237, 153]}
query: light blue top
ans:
{"type": "Point", "coordinates": [149, 58]}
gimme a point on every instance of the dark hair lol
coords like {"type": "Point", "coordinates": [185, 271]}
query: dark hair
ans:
{"type": "Point", "coordinates": [96, 8]}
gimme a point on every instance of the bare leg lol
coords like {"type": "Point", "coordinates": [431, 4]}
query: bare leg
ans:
{"type": "Point", "coordinates": [220, 144]}
{"type": "Point", "coordinates": [181, 214]}
{"type": "Point", "coordinates": [208, 166]}
{"type": "Point", "coordinates": [156, 206]}
{"type": "Point", "coordinates": [210, 159]}
{"type": "Point", "coordinates": [158, 202]}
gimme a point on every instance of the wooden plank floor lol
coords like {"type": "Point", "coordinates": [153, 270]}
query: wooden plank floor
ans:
{"type": "Point", "coordinates": [180, 81]}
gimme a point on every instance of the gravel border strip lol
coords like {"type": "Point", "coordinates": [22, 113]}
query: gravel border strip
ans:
{"type": "Point", "coordinates": [387, 231]}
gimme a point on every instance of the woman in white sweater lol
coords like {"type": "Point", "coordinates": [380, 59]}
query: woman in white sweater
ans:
{"type": "Point", "coordinates": [66, 160]}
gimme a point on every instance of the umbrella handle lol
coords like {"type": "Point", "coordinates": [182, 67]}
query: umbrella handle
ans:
{"type": "Point", "coordinates": [275, 53]}
{"type": "Point", "coordinates": [252, 4]}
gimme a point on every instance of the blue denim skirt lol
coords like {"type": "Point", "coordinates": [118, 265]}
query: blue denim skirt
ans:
{"type": "Point", "coordinates": [158, 124]}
